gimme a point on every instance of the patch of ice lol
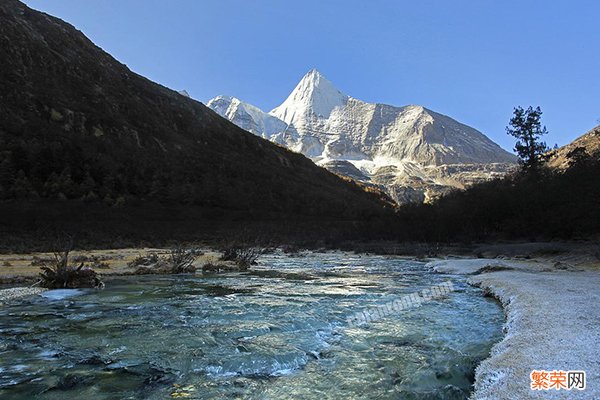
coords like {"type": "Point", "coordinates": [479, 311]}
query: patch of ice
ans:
{"type": "Point", "coordinates": [61, 294]}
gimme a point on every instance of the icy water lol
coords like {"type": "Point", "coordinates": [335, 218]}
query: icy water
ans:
{"type": "Point", "coordinates": [278, 332]}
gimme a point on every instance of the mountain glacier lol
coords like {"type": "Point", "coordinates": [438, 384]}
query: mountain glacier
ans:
{"type": "Point", "coordinates": [412, 153]}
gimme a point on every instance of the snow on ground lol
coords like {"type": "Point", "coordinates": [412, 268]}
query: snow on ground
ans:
{"type": "Point", "coordinates": [553, 319]}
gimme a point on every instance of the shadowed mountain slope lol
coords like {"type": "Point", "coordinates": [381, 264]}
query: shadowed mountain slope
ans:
{"type": "Point", "coordinates": [76, 124]}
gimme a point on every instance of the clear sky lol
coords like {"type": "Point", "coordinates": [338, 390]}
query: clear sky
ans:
{"type": "Point", "coordinates": [472, 60]}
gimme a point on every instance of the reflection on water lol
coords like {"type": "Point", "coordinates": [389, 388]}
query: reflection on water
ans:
{"type": "Point", "coordinates": [277, 332]}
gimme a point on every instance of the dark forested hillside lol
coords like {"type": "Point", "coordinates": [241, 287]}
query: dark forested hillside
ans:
{"type": "Point", "coordinates": [78, 127]}
{"type": "Point", "coordinates": [562, 201]}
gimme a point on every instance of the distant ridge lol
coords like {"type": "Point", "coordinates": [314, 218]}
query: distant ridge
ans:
{"type": "Point", "coordinates": [589, 143]}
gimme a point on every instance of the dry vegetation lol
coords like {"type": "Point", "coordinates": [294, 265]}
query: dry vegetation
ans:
{"type": "Point", "coordinates": [243, 256]}
{"type": "Point", "coordinates": [178, 260]}
{"type": "Point", "coordinates": [59, 274]}
{"type": "Point", "coordinates": [182, 261]}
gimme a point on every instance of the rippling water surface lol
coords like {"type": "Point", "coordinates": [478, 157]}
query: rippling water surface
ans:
{"type": "Point", "coordinates": [276, 332]}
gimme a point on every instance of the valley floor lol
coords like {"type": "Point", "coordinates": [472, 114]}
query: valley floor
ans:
{"type": "Point", "coordinates": [16, 268]}
{"type": "Point", "coordinates": [552, 319]}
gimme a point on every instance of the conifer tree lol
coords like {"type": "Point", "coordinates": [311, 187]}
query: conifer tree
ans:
{"type": "Point", "coordinates": [525, 125]}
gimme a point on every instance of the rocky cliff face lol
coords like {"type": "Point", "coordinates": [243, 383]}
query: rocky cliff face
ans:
{"type": "Point", "coordinates": [583, 146]}
{"type": "Point", "coordinates": [415, 154]}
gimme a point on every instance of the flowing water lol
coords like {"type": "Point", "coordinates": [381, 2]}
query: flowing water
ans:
{"type": "Point", "coordinates": [277, 332]}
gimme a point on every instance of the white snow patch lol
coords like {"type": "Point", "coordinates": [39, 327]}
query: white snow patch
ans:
{"type": "Point", "coordinates": [552, 324]}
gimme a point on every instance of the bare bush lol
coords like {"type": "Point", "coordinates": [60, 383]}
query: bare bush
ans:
{"type": "Point", "coordinates": [58, 274]}
{"type": "Point", "coordinates": [177, 261]}
{"type": "Point", "coordinates": [243, 256]}
{"type": "Point", "coordinates": [146, 260]}
{"type": "Point", "coordinates": [182, 260]}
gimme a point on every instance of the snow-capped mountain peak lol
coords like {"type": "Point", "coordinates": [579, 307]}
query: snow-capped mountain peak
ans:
{"type": "Point", "coordinates": [412, 152]}
{"type": "Point", "coordinates": [314, 96]}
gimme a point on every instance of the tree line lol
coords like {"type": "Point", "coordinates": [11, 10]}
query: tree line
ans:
{"type": "Point", "coordinates": [534, 203]}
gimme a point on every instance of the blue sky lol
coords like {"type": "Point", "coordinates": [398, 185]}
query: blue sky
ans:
{"type": "Point", "coordinates": [472, 60]}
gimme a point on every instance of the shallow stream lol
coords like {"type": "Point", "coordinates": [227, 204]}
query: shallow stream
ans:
{"type": "Point", "coordinates": [277, 332]}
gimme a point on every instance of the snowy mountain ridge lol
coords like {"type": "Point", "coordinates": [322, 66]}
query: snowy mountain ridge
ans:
{"type": "Point", "coordinates": [413, 153]}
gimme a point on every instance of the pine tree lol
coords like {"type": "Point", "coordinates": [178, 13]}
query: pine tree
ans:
{"type": "Point", "coordinates": [7, 171]}
{"type": "Point", "coordinates": [88, 184]}
{"type": "Point", "coordinates": [525, 125]}
{"type": "Point", "coordinates": [66, 185]}
{"type": "Point", "coordinates": [52, 186]}
{"type": "Point", "coordinates": [22, 188]}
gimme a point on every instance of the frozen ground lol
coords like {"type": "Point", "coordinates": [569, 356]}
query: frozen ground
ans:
{"type": "Point", "coordinates": [553, 319]}
{"type": "Point", "coordinates": [18, 292]}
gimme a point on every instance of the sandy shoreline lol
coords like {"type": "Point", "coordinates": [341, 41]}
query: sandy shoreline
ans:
{"type": "Point", "coordinates": [19, 272]}
{"type": "Point", "coordinates": [552, 324]}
